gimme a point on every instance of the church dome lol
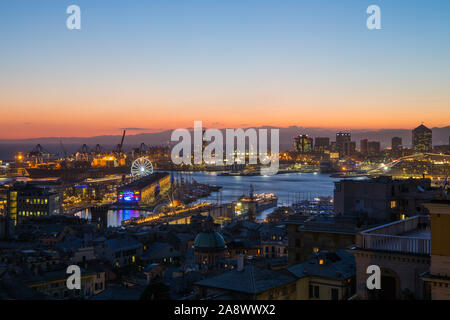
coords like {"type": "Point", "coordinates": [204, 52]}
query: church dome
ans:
{"type": "Point", "coordinates": [209, 240]}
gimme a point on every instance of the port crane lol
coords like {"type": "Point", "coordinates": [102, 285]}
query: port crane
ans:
{"type": "Point", "coordinates": [83, 153]}
{"type": "Point", "coordinates": [140, 151]}
{"type": "Point", "coordinates": [98, 149]}
{"type": "Point", "coordinates": [143, 148]}
{"type": "Point", "coordinates": [119, 147]}
{"type": "Point", "coordinates": [63, 149]}
{"type": "Point", "coordinates": [39, 153]}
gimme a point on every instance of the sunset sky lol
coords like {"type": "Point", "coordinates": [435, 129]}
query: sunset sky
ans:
{"type": "Point", "coordinates": [161, 64]}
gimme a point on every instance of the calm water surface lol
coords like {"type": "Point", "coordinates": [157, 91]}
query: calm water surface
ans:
{"type": "Point", "coordinates": [289, 187]}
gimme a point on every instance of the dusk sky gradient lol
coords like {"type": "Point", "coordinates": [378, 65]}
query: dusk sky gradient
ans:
{"type": "Point", "coordinates": [160, 65]}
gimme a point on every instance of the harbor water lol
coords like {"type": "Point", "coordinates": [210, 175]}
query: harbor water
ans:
{"type": "Point", "coordinates": [288, 187]}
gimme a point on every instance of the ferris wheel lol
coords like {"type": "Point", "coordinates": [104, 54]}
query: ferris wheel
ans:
{"type": "Point", "coordinates": [141, 167]}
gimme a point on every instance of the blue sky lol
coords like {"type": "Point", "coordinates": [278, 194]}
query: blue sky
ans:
{"type": "Point", "coordinates": [159, 58]}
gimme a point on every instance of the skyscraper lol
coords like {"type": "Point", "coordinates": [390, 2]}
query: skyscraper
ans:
{"type": "Point", "coordinates": [303, 143]}
{"type": "Point", "coordinates": [422, 139]}
{"type": "Point", "coordinates": [396, 143]}
{"type": "Point", "coordinates": [322, 144]}
{"type": "Point", "coordinates": [364, 146]}
{"type": "Point", "coordinates": [343, 143]}
{"type": "Point", "coordinates": [374, 148]}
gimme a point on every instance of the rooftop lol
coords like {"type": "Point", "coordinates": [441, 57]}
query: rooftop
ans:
{"type": "Point", "coordinates": [28, 189]}
{"type": "Point", "coordinates": [120, 244]}
{"type": "Point", "coordinates": [115, 292]}
{"type": "Point", "coordinates": [421, 128]}
{"type": "Point", "coordinates": [411, 236]}
{"type": "Point", "coordinates": [385, 180]}
{"type": "Point", "coordinates": [337, 265]}
{"type": "Point", "coordinates": [145, 181]}
{"type": "Point", "coordinates": [209, 240]}
{"type": "Point", "coordinates": [251, 280]}
{"type": "Point", "coordinates": [325, 224]}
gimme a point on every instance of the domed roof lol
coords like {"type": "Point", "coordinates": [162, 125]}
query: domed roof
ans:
{"type": "Point", "coordinates": [209, 240]}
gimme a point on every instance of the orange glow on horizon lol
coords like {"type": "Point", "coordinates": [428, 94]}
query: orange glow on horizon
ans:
{"type": "Point", "coordinates": [86, 115]}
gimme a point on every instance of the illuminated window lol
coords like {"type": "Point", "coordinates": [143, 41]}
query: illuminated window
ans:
{"type": "Point", "coordinates": [321, 261]}
{"type": "Point", "coordinates": [393, 204]}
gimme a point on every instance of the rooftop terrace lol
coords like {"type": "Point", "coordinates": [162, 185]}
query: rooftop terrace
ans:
{"type": "Point", "coordinates": [411, 235]}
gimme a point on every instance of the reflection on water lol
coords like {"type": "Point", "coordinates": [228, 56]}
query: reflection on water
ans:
{"type": "Point", "coordinates": [4, 180]}
{"type": "Point", "coordinates": [115, 217]}
{"type": "Point", "coordinates": [289, 187]}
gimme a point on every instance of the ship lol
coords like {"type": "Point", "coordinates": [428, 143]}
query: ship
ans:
{"type": "Point", "coordinates": [255, 203]}
{"type": "Point", "coordinates": [74, 173]}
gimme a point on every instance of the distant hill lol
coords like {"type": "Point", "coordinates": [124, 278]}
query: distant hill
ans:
{"type": "Point", "coordinates": [440, 137]}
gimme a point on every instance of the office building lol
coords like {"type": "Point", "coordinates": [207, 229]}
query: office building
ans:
{"type": "Point", "coordinates": [303, 144]}
{"type": "Point", "coordinates": [373, 148]}
{"type": "Point", "coordinates": [396, 143]}
{"type": "Point", "coordinates": [344, 145]}
{"type": "Point", "coordinates": [422, 139]}
{"type": "Point", "coordinates": [364, 146]}
{"type": "Point", "coordinates": [382, 199]}
{"type": "Point", "coordinates": [322, 144]}
{"type": "Point", "coordinates": [25, 201]}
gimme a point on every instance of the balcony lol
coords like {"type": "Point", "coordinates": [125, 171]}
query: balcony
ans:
{"type": "Point", "coordinates": [411, 235]}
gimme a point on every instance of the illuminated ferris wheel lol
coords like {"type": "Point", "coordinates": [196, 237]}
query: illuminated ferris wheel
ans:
{"type": "Point", "coordinates": [141, 167]}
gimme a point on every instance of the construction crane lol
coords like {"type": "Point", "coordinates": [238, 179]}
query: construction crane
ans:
{"type": "Point", "coordinates": [63, 149]}
{"type": "Point", "coordinates": [120, 146]}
